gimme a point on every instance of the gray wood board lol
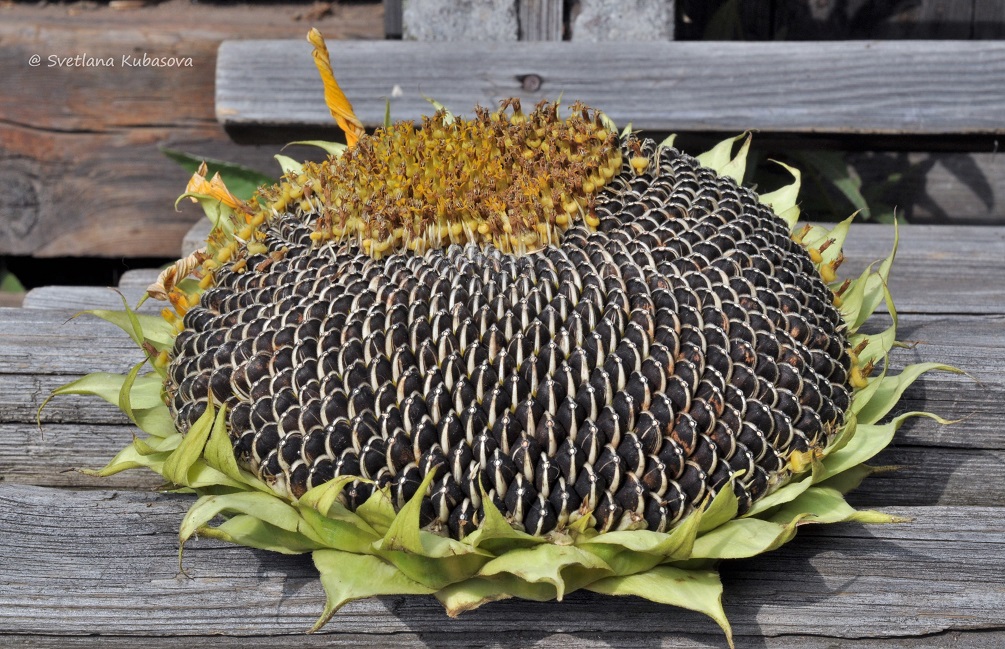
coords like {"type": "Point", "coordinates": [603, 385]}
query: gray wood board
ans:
{"type": "Point", "coordinates": [540, 20]}
{"type": "Point", "coordinates": [879, 87]}
{"type": "Point", "coordinates": [939, 269]}
{"type": "Point", "coordinates": [513, 636]}
{"type": "Point", "coordinates": [40, 349]}
{"type": "Point", "coordinates": [139, 277]}
{"type": "Point", "coordinates": [925, 476]}
{"type": "Point", "coordinates": [956, 464]}
{"type": "Point", "coordinates": [105, 562]}
{"type": "Point", "coordinates": [88, 297]}
{"type": "Point", "coordinates": [934, 273]}
{"type": "Point", "coordinates": [933, 187]}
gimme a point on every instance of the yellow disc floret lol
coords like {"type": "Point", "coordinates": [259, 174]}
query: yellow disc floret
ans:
{"type": "Point", "coordinates": [505, 178]}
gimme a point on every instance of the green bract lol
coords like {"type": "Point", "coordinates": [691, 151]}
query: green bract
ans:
{"type": "Point", "coordinates": [376, 550]}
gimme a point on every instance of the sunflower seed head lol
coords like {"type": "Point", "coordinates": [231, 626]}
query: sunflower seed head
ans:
{"type": "Point", "coordinates": [684, 345]}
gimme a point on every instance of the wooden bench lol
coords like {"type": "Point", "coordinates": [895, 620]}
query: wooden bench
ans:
{"type": "Point", "coordinates": [85, 556]}
{"type": "Point", "coordinates": [89, 561]}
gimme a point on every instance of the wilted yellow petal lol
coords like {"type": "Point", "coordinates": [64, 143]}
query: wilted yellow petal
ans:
{"type": "Point", "coordinates": [216, 188]}
{"type": "Point", "coordinates": [337, 102]}
{"type": "Point", "coordinates": [170, 276]}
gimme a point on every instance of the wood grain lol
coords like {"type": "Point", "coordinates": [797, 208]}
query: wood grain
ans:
{"type": "Point", "coordinates": [933, 273]}
{"type": "Point", "coordinates": [113, 554]}
{"type": "Point", "coordinates": [540, 20]}
{"type": "Point", "coordinates": [947, 465]}
{"type": "Point", "coordinates": [81, 168]}
{"type": "Point", "coordinates": [76, 545]}
{"type": "Point", "coordinates": [661, 86]}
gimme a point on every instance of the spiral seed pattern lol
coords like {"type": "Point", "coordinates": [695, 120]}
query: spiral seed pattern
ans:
{"type": "Point", "coordinates": [632, 372]}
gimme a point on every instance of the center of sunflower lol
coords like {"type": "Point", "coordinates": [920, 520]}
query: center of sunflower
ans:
{"type": "Point", "coordinates": [505, 178]}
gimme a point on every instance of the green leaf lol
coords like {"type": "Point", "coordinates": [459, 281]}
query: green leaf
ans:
{"type": "Point", "coordinates": [496, 534]}
{"type": "Point", "coordinates": [176, 467]}
{"type": "Point", "coordinates": [718, 157]}
{"type": "Point", "coordinates": [826, 505]}
{"type": "Point", "coordinates": [324, 497]}
{"type": "Point", "coordinates": [877, 346]}
{"type": "Point", "coordinates": [265, 507]}
{"type": "Point", "coordinates": [250, 531]}
{"type": "Point", "coordinates": [838, 234]}
{"type": "Point", "coordinates": [387, 113]}
{"type": "Point", "coordinates": [695, 590]}
{"type": "Point", "coordinates": [891, 388]}
{"type": "Point", "coordinates": [347, 577]}
{"type": "Point", "coordinates": [440, 570]}
{"type": "Point", "coordinates": [125, 401]}
{"type": "Point", "coordinates": [851, 478]}
{"type": "Point", "coordinates": [471, 593]}
{"type": "Point", "coordinates": [629, 552]}
{"type": "Point", "coordinates": [124, 321]}
{"type": "Point", "coordinates": [9, 283]}
{"type": "Point", "coordinates": [128, 458]}
{"type": "Point", "coordinates": [742, 538]}
{"type": "Point", "coordinates": [737, 167]}
{"type": "Point", "coordinates": [544, 564]}
{"type": "Point", "coordinates": [219, 214]}
{"type": "Point", "coordinates": [609, 124]}
{"type": "Point", "coordinates": [145, 392]}
{"type": "Point", "coordinates": [449, 117]}
{"type": "Point", "coordinates": [844, 435]}
{"type": "Point", "coordinates": [156, 331]}
{"type": "Point", "coordinates": [340, 533]}
{"type": "Point", "coordinates": [722, 508]}
{"type": "Point", "coordinates": [219, 454]}
{"type": "Point", "coordinates": [869, 440]}
{"type": "Point", "coordinates": [156, 421]}
{"type": "Point", "coordinates": [240, 180]}
{"type": "Point", "coordinates": [404, 531]}
{"type": "Point", "coordinates": [378, 510]}
{"type": "Point", "coordinates": [333, 148]}
{"type": "Point", "coordinates": [868, 291]}
{"type": "Point", "coordinates": [783, 201]}
{"type": "Point", "coordinates": [667, 143]}
{"type": "Point", "coordinates": [781, 495]}
{"type": "Point", "coordinates": [288, 164]}
{"type": "Point", "coordinates": [201, 476]}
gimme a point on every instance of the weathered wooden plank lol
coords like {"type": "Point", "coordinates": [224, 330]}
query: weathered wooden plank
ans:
{"type": "Point", "coordinates": [926, 476]}
{"type": "Point", "coordinates": [934, 273]}
{"type": "Point", "coordinates": [114, 555]}
{"type": "Point", "coordinates": [87, 297]}
{"type": "Point", "coordinates": [514, 637]}
{"type": "Point", "coordinates": [54, 455]}
{"type": "Point", "coordinates": [47, 341]}
{"type": "Point", "coordinates": [81, 171]}
{"type": "Point", "coordinates": [956, 464]}
{"type": "Point", "coordinates": [139, 278]}
{"type": "Point", "coordinates": [29, 372]}
{"type": "Point", "coordinates": [540, 20]}
{"type": "Point", "coordinates": [935, 187]}
{"type": "Point", "coordinates": [661, 86]}
{"type": "Point", "coordinates": [392, 18]}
